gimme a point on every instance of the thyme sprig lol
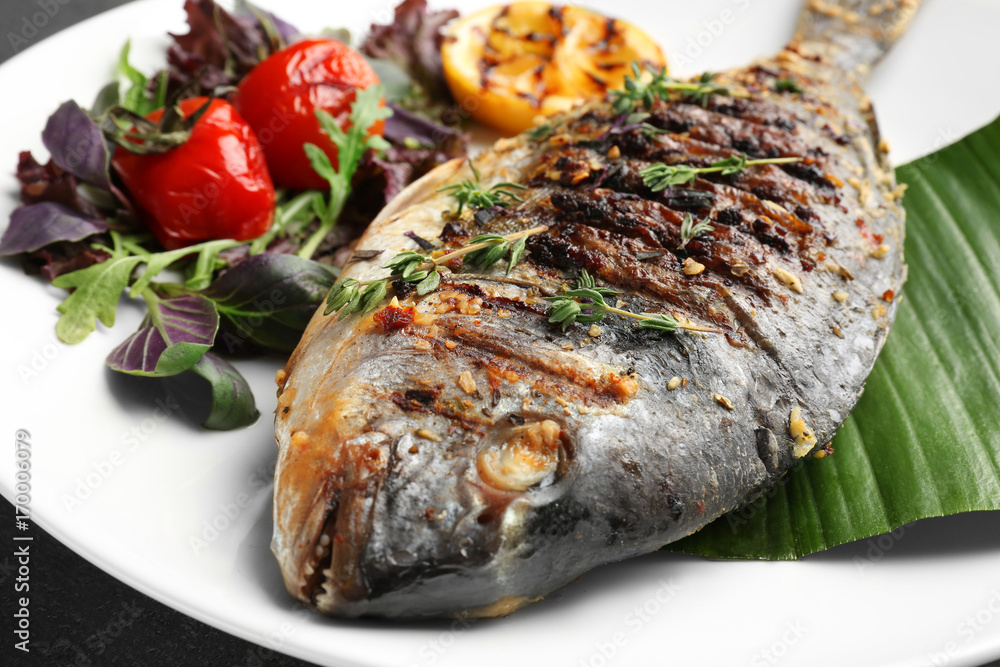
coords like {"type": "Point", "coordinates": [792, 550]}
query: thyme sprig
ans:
{"type": "Point", "coordinates": [659, 86]}
{"type": "Point", "coordinates": [585, 304]}
{"type": "Point", "coordinates": [470, 192]}
{"type": "Point", "coordinates": [351, 296]}
{"type": "Point", "coordinates": [689, 229]}
{"type": "Point", "coordinates": [659, 176]}
{"type": "Point", "coordinates": [788, 86]}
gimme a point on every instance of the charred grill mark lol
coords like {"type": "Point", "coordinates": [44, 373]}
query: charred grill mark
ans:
{"type": "Point", "coordinates": [604, 219]}
{"type": "Point", "coordinates": [730, 132]}
{"type": "Point", "coordinates": [650, 222]}
{"type": "Point", "coordinates": [442, 409]}
{"type": "Point", "coordinates": [422, 397]}
{"type": "Point", "coordinates": [754, 110]}
{"type": "Point", "coordinates": [636, 227]}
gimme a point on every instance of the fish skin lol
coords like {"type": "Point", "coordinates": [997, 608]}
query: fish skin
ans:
{"type": "Point", "coordinates": [382, 507]}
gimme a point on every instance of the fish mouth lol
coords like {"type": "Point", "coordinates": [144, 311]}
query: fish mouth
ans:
{"type": "Point", "coordinates": [320, 533]}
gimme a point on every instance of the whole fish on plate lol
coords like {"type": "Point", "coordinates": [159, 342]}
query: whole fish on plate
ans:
{"type": "Point", "coordinates": [457, 453]}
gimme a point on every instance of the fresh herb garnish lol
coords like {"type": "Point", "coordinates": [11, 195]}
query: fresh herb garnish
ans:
{"type": "Point", "coordinates": [585, 303]}
{"type": "Point", "coordinates": [659, 176]}
{"type": "Point", "coordinates": [540, 132]}
{"type": "Point", "coordinates": [788, 86]}
{"type": "Point", "coordinates": [136, 98]}
{"type": "Point", "coordinates": [97, 288]}
{"type": "Point", "coordinates": [366, 110]}
{"type": "Point", "coordinates": [350, 296]}
{"type": "Point", "coordinates": [659, 86]}
{"type": "Point", "coordinates": [470, 193]}
{"type": "Point", "coordinates": [689, 229]}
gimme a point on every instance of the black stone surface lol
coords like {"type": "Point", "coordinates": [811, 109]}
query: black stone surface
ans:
{"type": "Point", "coordinates": [81, 616]}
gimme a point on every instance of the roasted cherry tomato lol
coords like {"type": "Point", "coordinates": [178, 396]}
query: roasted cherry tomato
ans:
{"type": "Point", "coordinates": [279, 98]}
{"type": "Point", "coordinates": [213, 186]}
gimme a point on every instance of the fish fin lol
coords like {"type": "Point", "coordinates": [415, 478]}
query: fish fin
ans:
{"type": "Point", "coordinates": [860, 31]}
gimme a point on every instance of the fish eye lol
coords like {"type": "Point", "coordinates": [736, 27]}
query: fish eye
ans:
{"type": "Point", "coordinates": [520, 457]}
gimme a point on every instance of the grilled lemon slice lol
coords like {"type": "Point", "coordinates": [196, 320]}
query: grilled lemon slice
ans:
{"type": "Point", "coordinates": [509, 64]}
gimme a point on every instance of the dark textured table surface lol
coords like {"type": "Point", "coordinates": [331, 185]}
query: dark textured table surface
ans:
{"type": "Point", "coordinates": [81, 615]}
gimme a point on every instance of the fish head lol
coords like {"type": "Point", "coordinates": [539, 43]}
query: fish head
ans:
{"type": "Point", "coordinates": [420, 477]}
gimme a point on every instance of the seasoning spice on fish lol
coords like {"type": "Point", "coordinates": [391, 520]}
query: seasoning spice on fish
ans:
{"type": "Point", "coordinates": [805, 440]}
{"type": "Point", "coordinates": [467, 383]}
{"type": "Point", "coordinates": [723, 401]}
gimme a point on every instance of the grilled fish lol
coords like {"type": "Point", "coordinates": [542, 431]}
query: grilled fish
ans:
{"type": "Point", "coordinates": [456, 454]}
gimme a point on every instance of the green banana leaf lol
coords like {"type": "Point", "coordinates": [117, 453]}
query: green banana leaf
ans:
{"type": "Point", "coordinates": [924, 440]}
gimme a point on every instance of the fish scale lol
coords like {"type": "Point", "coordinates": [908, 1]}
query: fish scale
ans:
{"type": "Point", "coordinates": [472, 460]}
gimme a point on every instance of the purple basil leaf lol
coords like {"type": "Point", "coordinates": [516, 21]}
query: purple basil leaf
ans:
{"type": "Point", "coordinates": [77, 144]}
{"type": "Point", "coordinates": [232, 400]}
{"type": "Point", "coordinates": [49, 182]}
{"type": "Point", "coordinates": [413, 41]}
{"type": "Point", "coordinates": [288, 32]}
{"type": "Point", "coordinates": [37, 225]}
{"type": "Point", "coordinates": [267, 300]}
{"type": "Point", "coordinates": [403, 124]}
{"type": "Point", "coordinates": [171, 339]}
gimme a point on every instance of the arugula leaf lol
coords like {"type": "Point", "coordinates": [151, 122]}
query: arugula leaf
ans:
{"type": "Point", "coordinates": [351, 144]}
{"type": "Point", "coordinates": [232, 400]}
{"type": "Point", "coordinates": [173, 336]}
{"type": "Point", "coordinates": [98, 287]}
{"type": "Point", "coordinates": [96, 294]}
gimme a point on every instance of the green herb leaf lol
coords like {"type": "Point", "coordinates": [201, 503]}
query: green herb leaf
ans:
{"type": "Point", "coordinates": [97, 289]}
{"type": "Point", "coordinates": [429, 284]}
{"type": "Point", "coordinates": [487, 257]}
{"type": "Point", "coordinates": [372, 296]}
{"type": "Point", "coordinates": [564, 311]}
{"type": "Point", "coordinates": [267, 301]}
{"type": "Point", "coordinates": [232, 400]}
{"type": "Point", "coordinates": [659, 321]}
{"type": "Point", "coordinates": [341, 294]}
{"type": "Point", "coordinates": [516, 251]}
{"type": "Point", "coordinates": [469, 193]}
{"type": "Point", "coordinates": [540, 132]}
{"type": "Point", "coordinates": [366, 110]}
{"type": "Point", "coordinates": [320, 162]}
{"type": "Point", "coordinates": [689, 229]}
{"type": "Point", "coordinates": [643, 89]}
{"type": "Point", "coordinates": [788, 86]}
{"type": "Point", "coordinates": [923, 440]}
{"type": "Point", "coordinates": [659, 176]}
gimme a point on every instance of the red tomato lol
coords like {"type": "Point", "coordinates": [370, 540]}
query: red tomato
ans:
{"type": "Point", "coordinates": [213, 186]}
{"type": "Point", "coordinates": [279, 98]}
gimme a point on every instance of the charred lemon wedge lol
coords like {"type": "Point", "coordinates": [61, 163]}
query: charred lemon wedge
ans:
{"type": "Point", "coordinates": [507, 65]}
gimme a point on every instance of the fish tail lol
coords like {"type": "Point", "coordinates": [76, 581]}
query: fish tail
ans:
{"type": "Point", "coordinates": [859, 31]}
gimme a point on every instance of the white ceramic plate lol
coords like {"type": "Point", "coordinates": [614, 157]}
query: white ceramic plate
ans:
{"type": "Point", "coordinates": [132, 487]}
